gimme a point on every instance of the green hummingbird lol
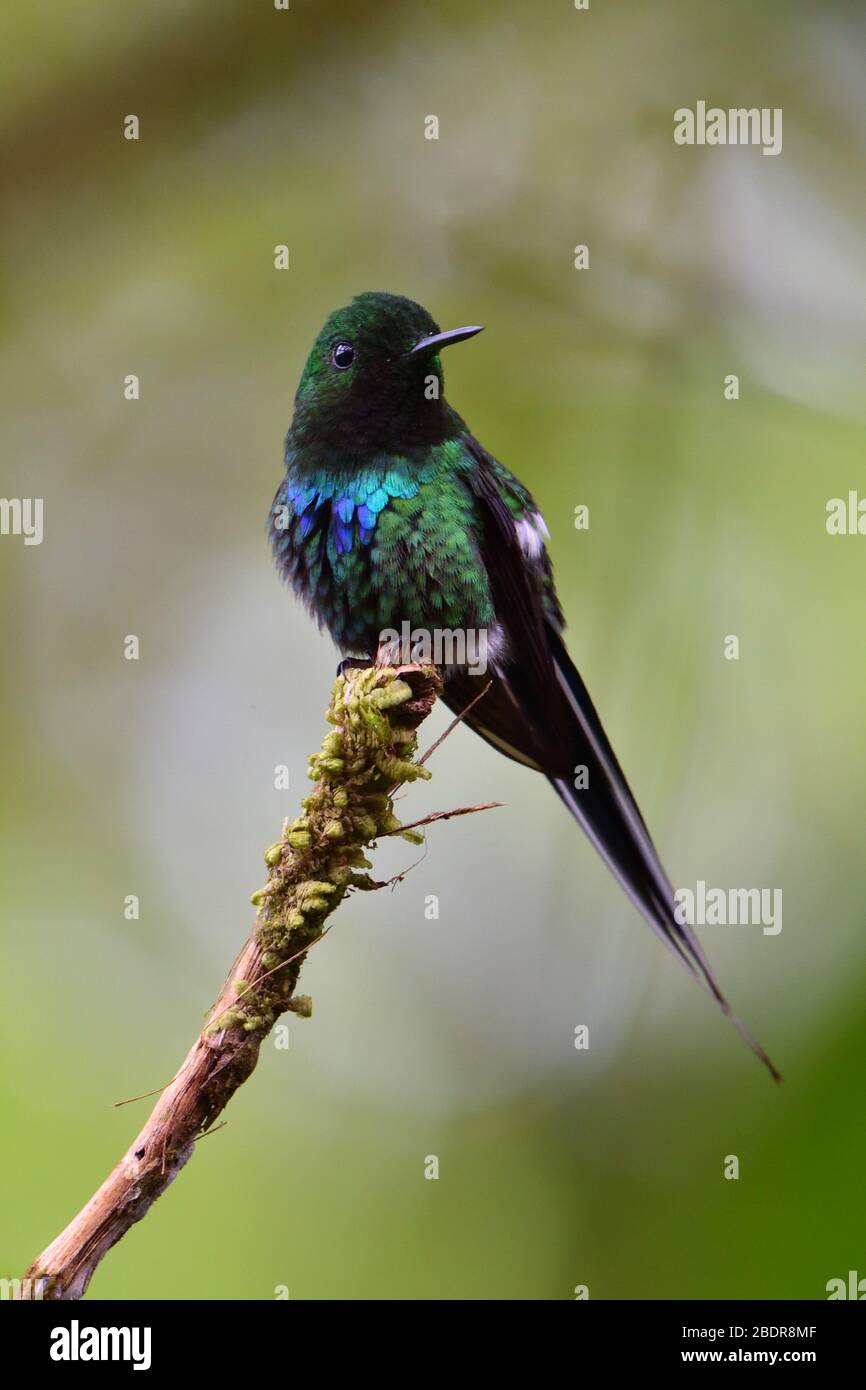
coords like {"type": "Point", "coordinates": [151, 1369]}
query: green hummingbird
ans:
{"type": "Point", "coordinates": [392, 517]}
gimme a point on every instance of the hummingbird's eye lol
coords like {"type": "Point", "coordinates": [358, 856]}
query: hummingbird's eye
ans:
{"type": "Point", "coordinates": [343, 355]}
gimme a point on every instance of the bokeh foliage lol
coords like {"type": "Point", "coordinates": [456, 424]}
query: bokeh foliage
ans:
{"type": "Point", "coordinates": [453, 1036]}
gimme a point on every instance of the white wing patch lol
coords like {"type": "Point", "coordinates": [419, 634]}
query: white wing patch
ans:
{"type": "Point", "coordinates": [531, 533]}
{"type": "Point", "coordinates": [497, 645]}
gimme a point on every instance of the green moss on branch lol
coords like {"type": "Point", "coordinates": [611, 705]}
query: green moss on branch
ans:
{"type": "Point", "coordinates": [321, 857]}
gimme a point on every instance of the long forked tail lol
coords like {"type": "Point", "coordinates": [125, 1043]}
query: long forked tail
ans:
{"type": "Point", "coordinates": [608, 814]}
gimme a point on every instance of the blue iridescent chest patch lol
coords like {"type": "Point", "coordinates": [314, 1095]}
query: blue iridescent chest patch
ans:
{"type": "Point", "coordinates": [337, 504]}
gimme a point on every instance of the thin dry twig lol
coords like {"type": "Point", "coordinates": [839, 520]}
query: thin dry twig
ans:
{"type": "Point", "coordinates": [458, 718]}
{"type": "Point", "coordinates": [442, 815]}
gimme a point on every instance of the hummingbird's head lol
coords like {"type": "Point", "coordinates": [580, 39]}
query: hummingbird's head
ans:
{"type": "Point", "coordinates": [373, 381]}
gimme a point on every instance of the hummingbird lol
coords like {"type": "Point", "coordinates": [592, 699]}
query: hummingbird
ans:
{"type": "Point", "coordinates": [392, 513]}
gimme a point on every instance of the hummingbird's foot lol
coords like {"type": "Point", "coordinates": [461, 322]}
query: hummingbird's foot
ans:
{"type": "Point", "coordinates": [353, 663]}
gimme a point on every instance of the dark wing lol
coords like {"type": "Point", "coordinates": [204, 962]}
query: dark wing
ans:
{"type": "Point", "coordinates": [539, 712]}
{"type": "Point", "coordinates": [522, 716]}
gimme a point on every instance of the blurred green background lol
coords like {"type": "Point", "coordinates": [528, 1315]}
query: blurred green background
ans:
{"type": "Point", "coordinates": [451, 1037]}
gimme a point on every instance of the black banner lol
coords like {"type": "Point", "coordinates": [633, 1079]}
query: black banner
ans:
{"type": "Point", "coordinates": [62, 1338]}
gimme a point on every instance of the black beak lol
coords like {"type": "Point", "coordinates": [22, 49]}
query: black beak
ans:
{"type": "Point", "coordinates": [441, 340]}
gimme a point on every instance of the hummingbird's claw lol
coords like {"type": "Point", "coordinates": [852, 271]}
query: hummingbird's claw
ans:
{"type": "Point", "coordinates": [353, 663]}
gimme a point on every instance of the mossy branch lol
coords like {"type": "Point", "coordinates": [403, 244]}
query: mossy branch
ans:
{"type": "Point", "coordinates": [369, 753]}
